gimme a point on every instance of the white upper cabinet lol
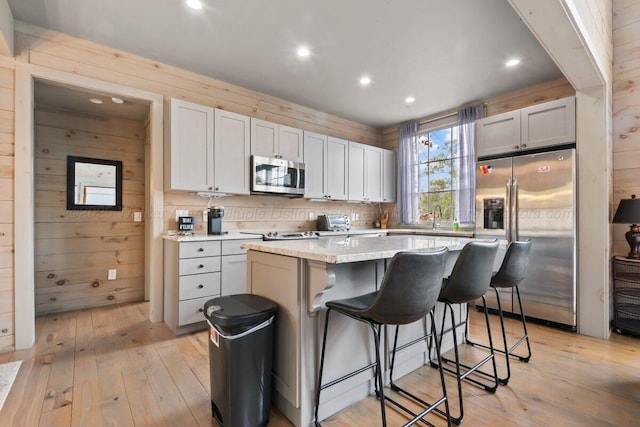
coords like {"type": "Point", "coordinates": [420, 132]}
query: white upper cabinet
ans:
{"type": "Point", "coordinates": [337, 168]}
{"type": "Point", "coordinates": [189, 154]}
{"type": "Point", "coordinates": [315, 186]}
{"type": "Point", "coordinates": [498, 134]}
{"type": "Point", "coordinates": [373, 174]}
{"type": "Point", "coordinates": [367, 166]}
{"type": "Point", "coordinates": [389, 180]}
{"type": "Point", "coordinates": [548, 124]}
{"type": "Point", "coordinates": [208, 149]}
{"type": "Point", "coordinates": [273, 140]}
{"type": "Point", "coordinates": [291, 143]}
{"type": "Point", "coordinates": [232, 152]}
{"type": "Point", "coordinates": [356, 171]}
{"type": "Point", "coordinates": [543, 125]}
{"type": "Point", "coordinates": [326, 167]}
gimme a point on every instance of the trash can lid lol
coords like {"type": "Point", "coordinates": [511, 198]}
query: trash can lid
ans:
{"type": "Point", "coordinates": [239, 311]}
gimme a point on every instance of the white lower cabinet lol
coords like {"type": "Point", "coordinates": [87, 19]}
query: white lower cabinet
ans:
{"type": "Point", "coordinates": [234, 267]}
{"type": "Point", "coordinates": [191, 278]}
{"type": "Point", "coordinates": [194, 273]}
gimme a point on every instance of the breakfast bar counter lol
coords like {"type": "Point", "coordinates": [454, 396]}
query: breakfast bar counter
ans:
{"type": "Point", "coordinates": [301, 276]}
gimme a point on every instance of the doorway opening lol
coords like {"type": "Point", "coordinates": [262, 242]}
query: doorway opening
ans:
{"type": "Point", "coordinates": [29, 123]}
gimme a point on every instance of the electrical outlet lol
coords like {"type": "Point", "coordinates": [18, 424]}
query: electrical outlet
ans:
{"type": "Point", "coordinates": [205, 216]}
{"type": "Point", "coordinates": [137, 217]}
{"type": "Point", "coordinates": [181, 212]}
{"type": "Point", "coordinates": [312, 216]}
{"type": "Point", "coordinates": [112, 274]}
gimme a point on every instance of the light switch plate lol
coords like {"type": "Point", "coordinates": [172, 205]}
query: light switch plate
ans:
{"type": "Point", "coordinates": [137, 217]}
{"type": "Point", "coordinates": [112, 274]}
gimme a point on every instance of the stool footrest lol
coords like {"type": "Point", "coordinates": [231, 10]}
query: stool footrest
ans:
{"type": "Point", "coordinates": [430, 407]}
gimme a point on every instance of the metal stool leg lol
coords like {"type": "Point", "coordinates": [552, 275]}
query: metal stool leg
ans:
{"type": "Point", "coordinates": [507, 351]}
{"type": "Point", "coordinates": [429, 407]}
{"type": "Point", "coordinates": [378, 384]}
{"type": "Point", "coordinates": [460, 376]}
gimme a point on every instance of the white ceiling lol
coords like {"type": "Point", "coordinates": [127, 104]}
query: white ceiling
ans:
{"type": "Point", "coordinates": [444, 53]}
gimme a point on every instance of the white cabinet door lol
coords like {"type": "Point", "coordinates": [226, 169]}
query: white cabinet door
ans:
{"type": "Point", "coordinates": [551, 123]}
{"type": "Point", "coordinates": [389, 181]}
{"type": "Point", "coordinates": [498, 134]}
{"type": "Point", "coordinates": [234, 275]}
{"type": "Point", "coordinates": [232, 152]}
{"type": "Point", "coordinates": [337, 170]}
{"type": "Point", "coordinates": [189, 163]}
{"type": "Point", "coordinates": [356, 171]}
{"type": "Point", "coordinates": [290, 143]}
{"type": "Point", "coordinates": [373, 174]}
{"type": "Point", "coordinates": [315, 146]}
{"type": "Point", "coordinates": [264, 138]}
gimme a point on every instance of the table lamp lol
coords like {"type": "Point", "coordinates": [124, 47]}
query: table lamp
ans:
{"type": "Point", "coordinates": [629, 213]}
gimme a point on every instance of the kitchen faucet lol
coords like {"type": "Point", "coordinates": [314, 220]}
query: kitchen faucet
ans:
{"type": "Point", "coordinates": [435, 224]}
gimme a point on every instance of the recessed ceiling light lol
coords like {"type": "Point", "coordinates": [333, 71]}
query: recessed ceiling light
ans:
{"type": "Point", "coordinates": [365, 81]}
{"type": "Point", "coordinates": [194, 4]}
{"type": "Point", "coordinates": [117, 100]}
{"type": "Point", "coordinates": [96, 100]}
{"type": "Point", "coordinates": [303, 52]}
{"type": "Point", "coordinates": [512, 62]}
{"type": "Point", "coordinates": [409, 100]}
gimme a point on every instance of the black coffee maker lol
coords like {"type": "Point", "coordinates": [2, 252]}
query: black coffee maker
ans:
{"type": "Point", "coordinates": [214, 220]}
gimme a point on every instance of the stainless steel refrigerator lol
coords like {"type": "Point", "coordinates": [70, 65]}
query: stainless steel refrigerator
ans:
{"type": "Point", "coordinates": [534, 197]}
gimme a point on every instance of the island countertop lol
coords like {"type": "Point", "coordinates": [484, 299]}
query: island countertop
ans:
{"type": "Point", "coordinates": [341, 249]}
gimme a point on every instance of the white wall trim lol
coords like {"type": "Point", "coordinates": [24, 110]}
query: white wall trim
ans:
{"type": "Point", "coordinates": [24, 191]}
{"type": "Point", "coordinates": [558, 26]}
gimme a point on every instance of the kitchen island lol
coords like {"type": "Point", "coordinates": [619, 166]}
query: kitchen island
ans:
{"type": "Point", "coordinates": [301, 275]}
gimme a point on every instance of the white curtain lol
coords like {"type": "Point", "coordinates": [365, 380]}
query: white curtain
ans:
{"type": "Point", "coordinates": [465, 203]}
{"type": "Point", "coordinates": [408, 203]}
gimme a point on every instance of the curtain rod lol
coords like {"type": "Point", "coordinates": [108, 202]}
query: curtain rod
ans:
{"type": "Point", "coordinates": [425, 120]}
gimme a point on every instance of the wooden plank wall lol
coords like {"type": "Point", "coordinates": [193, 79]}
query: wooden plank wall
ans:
{"type": "Point", "coordinates": [6, 202]}
{"type": "Point", "coordinates": [626, 111]}
{"type": "Point", "coordinates": [75, 249]}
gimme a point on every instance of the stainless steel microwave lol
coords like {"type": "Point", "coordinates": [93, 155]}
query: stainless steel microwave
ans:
{"type": "Point", "coordinates": [276, 176]}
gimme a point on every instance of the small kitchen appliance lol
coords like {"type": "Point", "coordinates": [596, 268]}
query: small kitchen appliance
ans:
{"type": "Point", "coordinates": [334, 222]}
{"type": "Point", "coordinates": [214, 220]}
{"type": "Point", "coordinates": [277, 176]}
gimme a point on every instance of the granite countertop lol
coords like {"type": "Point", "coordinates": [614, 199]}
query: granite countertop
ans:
{"type": "Point", "coordinates": [342, 249]}
{"type": "Point", "coordinates": [197, 237]}
{"type": "Point", "coordinates": [399, 231]}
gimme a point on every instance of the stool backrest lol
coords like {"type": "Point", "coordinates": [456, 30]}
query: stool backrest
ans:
{"type": "Point", "coordinates": [471, 274]}
{"type": "Point", "coordinates": [514, 265]}
{"type": "Point", "coordinates": [409, 288]}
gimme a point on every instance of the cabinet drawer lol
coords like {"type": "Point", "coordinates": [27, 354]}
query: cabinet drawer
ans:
{"type": "Point", "coordinates": [199, 285]}
{"type": "Point", "coordinates": [191, 311]}
{"type": "Point", "coordinates": [232, 247]}
{"type": "Point", "coordinates": [199, 249]}
{"type": "Point", "coordinates": [199, 265]}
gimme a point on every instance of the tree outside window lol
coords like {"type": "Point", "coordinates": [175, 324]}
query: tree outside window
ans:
{"type": "Point", "coordinates": [439, 159]}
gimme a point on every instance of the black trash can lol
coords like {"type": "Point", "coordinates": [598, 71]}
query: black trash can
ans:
{"type": "Point", "coordinates": [240, 358]}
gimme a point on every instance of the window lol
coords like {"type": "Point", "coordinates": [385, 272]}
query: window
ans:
{"type": "Point", "coordinates": [439, 158]}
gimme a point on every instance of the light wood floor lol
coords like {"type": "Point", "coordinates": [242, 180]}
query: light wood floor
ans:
{"type": "Point", "coordinates": [112, 367]}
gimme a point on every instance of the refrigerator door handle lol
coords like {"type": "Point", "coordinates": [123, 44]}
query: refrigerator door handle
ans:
{"type": "Point", "coordinates": [516, 212]}
{"type": "Point", "coordinates": [507, 228]}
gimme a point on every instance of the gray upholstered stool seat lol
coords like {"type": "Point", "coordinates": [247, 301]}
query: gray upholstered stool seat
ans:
{"type": "Point", "coordinates": [512, 271]}
{"type": "Point", "coordinates": [409, 292]}
{"type": "Point", "coordinates": [469, 280]}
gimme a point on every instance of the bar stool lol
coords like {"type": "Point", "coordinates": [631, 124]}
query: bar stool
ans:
{"type": "Point", "coordinates": [469, 280]}
{"type": "Point", "coordinates": [512, 271]}
{"type": "Point", "coordinates": [409, 291]}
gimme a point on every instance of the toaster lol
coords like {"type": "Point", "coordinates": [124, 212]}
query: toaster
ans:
{"type": "Point", "coordinates": [334, 222]}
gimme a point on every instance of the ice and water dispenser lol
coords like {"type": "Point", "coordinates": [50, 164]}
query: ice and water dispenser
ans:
{"type": "Point", "coordinates": [493, 213]}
